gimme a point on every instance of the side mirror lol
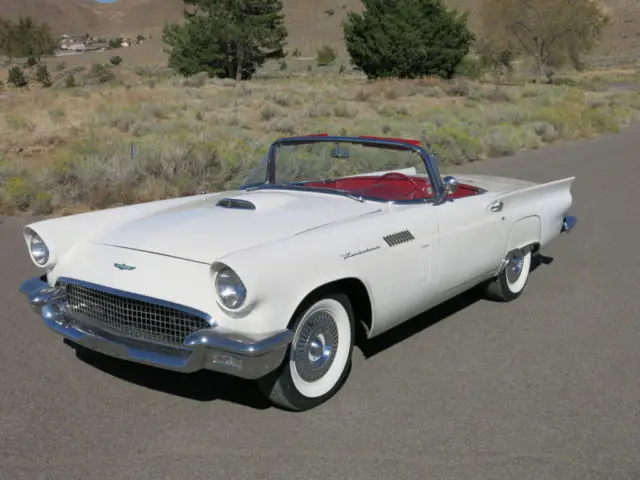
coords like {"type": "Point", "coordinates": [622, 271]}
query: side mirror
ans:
{"type": "Point", "coordinates": [450, 184]}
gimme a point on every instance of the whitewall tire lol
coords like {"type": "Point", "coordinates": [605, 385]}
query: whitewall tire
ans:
{"type": "Point", "coordinates": [512, 280]}
{"type": "Point", "coordinates": [318, 360]}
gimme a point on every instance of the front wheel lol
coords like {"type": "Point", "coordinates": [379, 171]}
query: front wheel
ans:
{"type": "Point", "coordinates": [319, 357]}
{"type": "Point", "coordinates": [511, 282]}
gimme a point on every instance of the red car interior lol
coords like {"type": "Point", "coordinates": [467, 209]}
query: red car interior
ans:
{"type": "Point", "coordinates": [390, 187]}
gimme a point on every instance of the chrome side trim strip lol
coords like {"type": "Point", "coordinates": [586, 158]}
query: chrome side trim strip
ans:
{"type": "Point", "coordinates": [154, 253]}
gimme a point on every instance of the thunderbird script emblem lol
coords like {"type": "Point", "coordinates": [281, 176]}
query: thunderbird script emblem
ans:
{"type": "Point", "coordinates": [123, 266]}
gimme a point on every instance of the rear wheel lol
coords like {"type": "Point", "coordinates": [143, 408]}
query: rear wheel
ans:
{"type": "Point", "coordinates": [512, 281]}
{"type": "Point", "coordinates": [319, 357]}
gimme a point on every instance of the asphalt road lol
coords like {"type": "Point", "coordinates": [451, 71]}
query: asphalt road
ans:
{"type": "Point", "coordinates": [547, 387]}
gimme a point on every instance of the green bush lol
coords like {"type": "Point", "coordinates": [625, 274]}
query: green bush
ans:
{"type": "Point", "coordinates": [17, 77]}
{"type": "Point", "coordinates": [116, 60]}
{"type": "Point", "coordinates": [325, 55]}
{"type": "Point", "coordinates": [407, 39]}
{"type": "Point", "coordinates": [100, 74]}
{"type": "Point", "coordinates": [115, 42]}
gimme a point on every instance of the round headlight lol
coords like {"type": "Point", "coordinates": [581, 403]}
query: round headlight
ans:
{"type": "Point", "coordinates": [230, 289]}
{"type": "Point", "coordinates": [38, 249]}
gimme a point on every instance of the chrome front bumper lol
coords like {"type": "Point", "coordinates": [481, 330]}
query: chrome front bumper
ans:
{"type": "Point", "coordinates": [203, 350]}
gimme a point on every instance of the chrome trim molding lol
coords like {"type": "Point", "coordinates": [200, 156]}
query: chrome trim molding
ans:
{"type": "Point", "coordinates": [206, 349]}
{"type": "Point", "coordinates": [155, 253]}
{"type": "Point", "coordinates": [331, 191]}
{"type": "Point", "coordinates": [568, 223]}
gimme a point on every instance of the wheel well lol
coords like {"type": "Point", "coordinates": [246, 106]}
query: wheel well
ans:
{"type": "Point", "coordinates": [358, 296]}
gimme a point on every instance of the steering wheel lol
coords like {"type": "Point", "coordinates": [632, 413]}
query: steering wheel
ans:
{"type": "Point", "coordinates": [400, 176]}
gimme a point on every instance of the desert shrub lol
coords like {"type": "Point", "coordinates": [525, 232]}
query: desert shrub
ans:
{"type": "Point", "coordinates": [345, 110]}
{"type": "Point", "coordinates": [325, 55]}
{"type": "Point", "coordinates": [99, 73]}
{"type": "Point", "coordinates": [198, 80]}
{"type": "Point", "coordinates": [17, 77]}
{"type": "Point", "coordinates": [470, 67]}
{"type": "Point", "coordinates": [69, 80]}
{"type": "Point", "coordinates": [42, 75]}
{"type": "Point", "coordinates": [268, 112]}
{"type": "Point", "coordinates": [116, 60]}
{"type": "Point", "coordinates": [115, 42]}
{"type": "Point", "coordinates": [186, 140]}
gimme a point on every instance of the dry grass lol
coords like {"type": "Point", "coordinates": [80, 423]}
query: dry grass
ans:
{"type": "Point", "coordinates": [149, 135]}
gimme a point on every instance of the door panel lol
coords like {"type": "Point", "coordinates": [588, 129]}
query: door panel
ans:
{"type": "Point", "coordinates": [406, 282]}
{"type": "Point", "coordinates": [473, 233]}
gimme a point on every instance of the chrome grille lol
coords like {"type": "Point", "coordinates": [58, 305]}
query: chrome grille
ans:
{"type": "Point", "coordinates": [130, 317]}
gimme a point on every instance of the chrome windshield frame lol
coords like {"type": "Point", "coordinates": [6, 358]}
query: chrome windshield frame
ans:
{"type": "Point", "coordinates": [429, 160]}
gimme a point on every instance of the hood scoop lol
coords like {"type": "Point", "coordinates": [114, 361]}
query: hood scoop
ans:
{"type": "Point", "coordinates": [236, 203]}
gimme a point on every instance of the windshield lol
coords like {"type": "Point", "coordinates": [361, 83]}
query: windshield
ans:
{"type": "Point", "coordinates": [377, 171]}
{"type": "Point", "coordinates": [322, 160]}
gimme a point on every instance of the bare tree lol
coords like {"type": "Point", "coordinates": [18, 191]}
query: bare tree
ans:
{"type": "Point", "coordinates": [550, 32]}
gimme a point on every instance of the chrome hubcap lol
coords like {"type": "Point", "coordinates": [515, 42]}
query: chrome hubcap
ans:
{"type": "Point", "coordinates": [514, 268]}
{"type": "Point", "coordinates": [315, 346]}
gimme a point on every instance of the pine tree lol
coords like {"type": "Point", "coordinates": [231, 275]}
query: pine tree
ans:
{"type": "Point", "coordinates": [26, 39]}
{"type": "Point", "coordinates": [226, 38]}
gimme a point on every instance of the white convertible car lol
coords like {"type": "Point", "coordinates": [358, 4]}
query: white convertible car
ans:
{"type": "Point", "coordinates": [270, 282]}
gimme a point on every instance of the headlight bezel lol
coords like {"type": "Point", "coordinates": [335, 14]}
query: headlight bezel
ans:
{"type": "Point", "coordinates": [235, 288]}
{"type": "Point", "coordinates": [39, 251]}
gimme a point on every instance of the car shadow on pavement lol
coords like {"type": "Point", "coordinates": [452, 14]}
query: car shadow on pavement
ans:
{"type": "Point", "coordinates": [205, 386]}
{"type": "Point", "coordinates": [202, 386]}
{"type": "Point", "coordinates": [415, 325]}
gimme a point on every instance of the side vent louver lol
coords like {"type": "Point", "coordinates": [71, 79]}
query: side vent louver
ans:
{"type": "Point", "coordinates": [236, 203]}
{"type": "Point", "coordinates": [398, 238]}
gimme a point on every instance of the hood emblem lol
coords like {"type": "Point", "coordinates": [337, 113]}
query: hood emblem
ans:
{"type": "Point", "coordinates": [123, 266]}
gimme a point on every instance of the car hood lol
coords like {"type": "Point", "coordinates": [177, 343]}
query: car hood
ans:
{"type": "Point", "coordinates": [203, 231]}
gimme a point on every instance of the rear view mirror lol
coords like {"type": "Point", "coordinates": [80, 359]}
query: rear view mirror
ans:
{"type": "Point", "coordinates": [339, 152]}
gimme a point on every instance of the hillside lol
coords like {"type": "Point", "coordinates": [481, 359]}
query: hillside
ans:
{"type": "Point", "coordinates": [310, 23]}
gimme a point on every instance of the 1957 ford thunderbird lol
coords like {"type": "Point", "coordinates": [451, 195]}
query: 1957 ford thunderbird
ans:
{"type": "Point", "coordinates": [270, 282]}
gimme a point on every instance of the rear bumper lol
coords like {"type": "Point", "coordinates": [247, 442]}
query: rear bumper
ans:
{"type": "Point", "coordinates": [568, 223]}
{"type": "Point", "coordinates": [205, 349]}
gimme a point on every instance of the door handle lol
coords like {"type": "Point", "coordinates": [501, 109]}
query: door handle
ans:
{"type": "Point", "coordinates": [496, 206]}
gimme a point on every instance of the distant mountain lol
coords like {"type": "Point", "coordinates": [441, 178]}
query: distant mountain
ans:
{"type": "Point", "coordinates": [311, 23]}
